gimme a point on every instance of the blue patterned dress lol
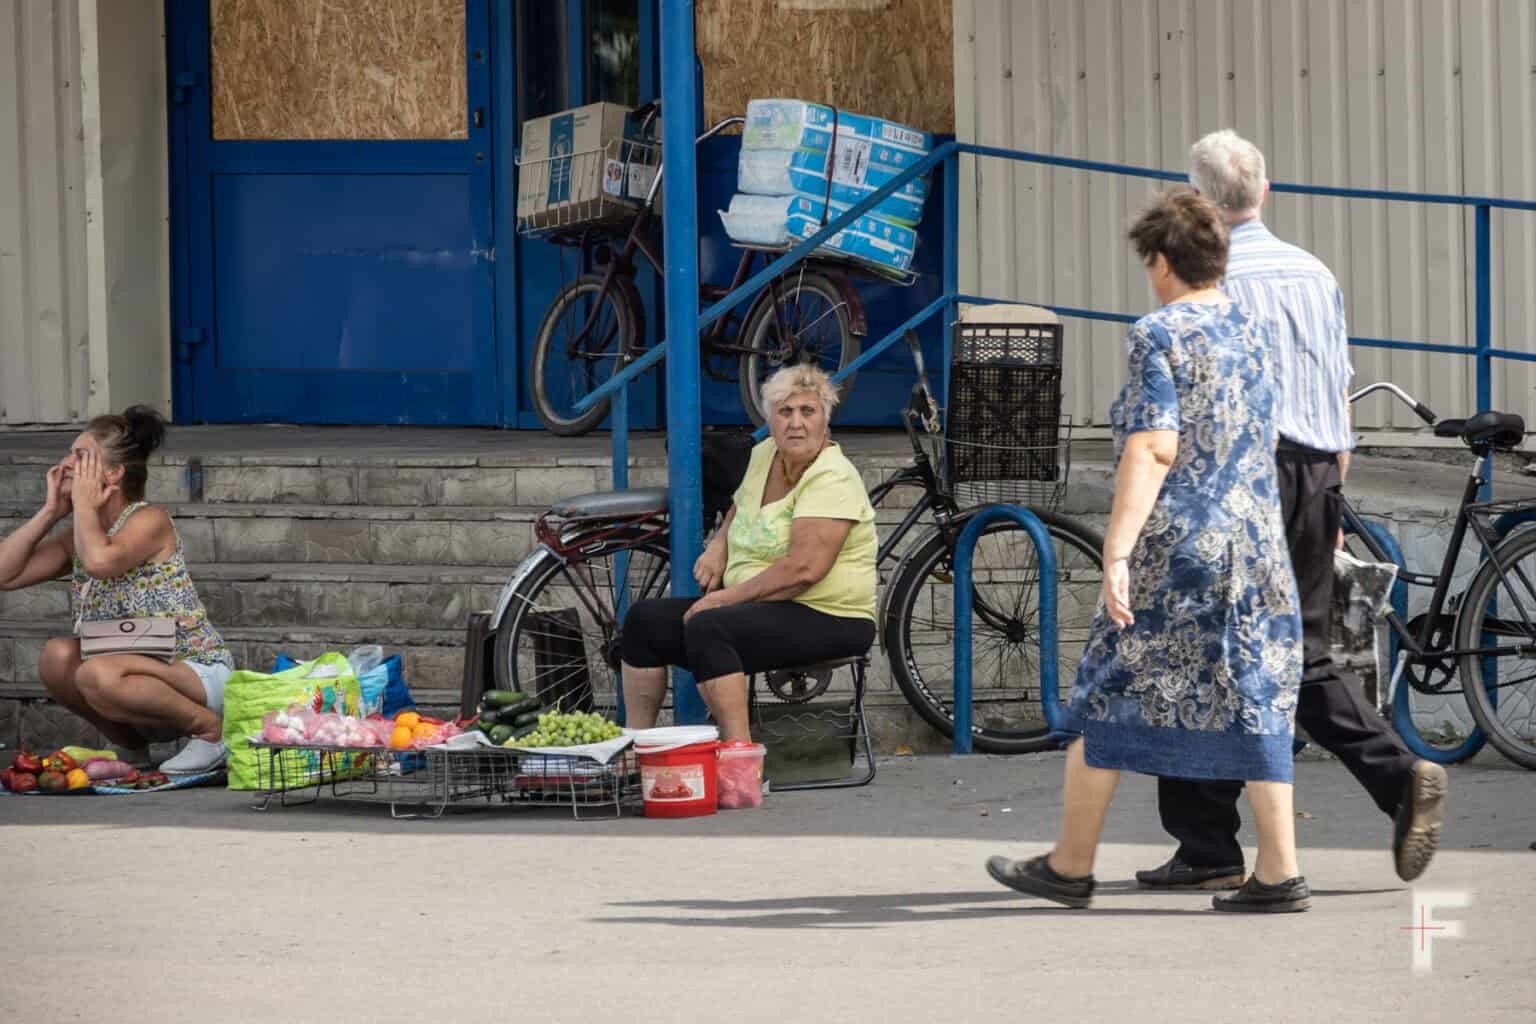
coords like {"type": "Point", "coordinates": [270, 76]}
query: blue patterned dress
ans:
{"type": "Point", "coordinates": [1203, 684]}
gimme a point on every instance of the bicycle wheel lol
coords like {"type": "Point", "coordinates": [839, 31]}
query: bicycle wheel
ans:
{"type": "Point", "coordinates": [560, 637]}
{"type": "Point", "coordinates": [1501, 691]}
{"type": "Point", "coordinates": [919, 629]}
{"type": "Point", "coordinates": [1427, 713]}
{"type": "Point", "coordinates": [568, 364]}
{"type": "Point", "coordinates": [817, 330]}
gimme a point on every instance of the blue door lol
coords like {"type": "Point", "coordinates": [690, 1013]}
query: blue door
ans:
{"type": "Point", "coordinates": [334, 281]}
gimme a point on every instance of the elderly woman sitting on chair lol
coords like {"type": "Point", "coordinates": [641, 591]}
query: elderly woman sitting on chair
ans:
{"type": "Point", "coordinates": [788, 580]}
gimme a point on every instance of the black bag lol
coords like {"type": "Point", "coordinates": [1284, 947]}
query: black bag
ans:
{"type": "Point", "coordinates": [725, 453]}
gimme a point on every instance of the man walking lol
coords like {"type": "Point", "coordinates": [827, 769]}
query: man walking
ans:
{"type": "Point", "coordinates": [1299, 300]}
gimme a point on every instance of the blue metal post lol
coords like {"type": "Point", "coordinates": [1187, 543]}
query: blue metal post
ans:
{"type": "Point", "coordinates": [1483, 248]}
{"type": "Point", "coordinates": [684, 415]}
{"type": "Point", "coordinates": [1483, 256]}
{"type": "Point", "coordinates": [951, 261]}
{"type": "Point", "coordinates": [965, 550]}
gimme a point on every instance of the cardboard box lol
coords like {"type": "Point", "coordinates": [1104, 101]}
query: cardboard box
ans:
{"type": "Point", "coordinates": [574, 166]}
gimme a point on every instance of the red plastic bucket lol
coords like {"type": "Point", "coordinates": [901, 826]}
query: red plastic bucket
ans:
{"type": "Point", "coordinates": [677, 771]}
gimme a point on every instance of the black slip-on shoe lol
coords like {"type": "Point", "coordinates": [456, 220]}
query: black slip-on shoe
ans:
{"type": "Point", "coordinates": [1177, 876]}
{"type": "Point", "coordinates": [1416, 830]}
{"type": "Point", "coordinates": [1034, 877]}
{"type": "Point", "coordinates": [1288, 897]}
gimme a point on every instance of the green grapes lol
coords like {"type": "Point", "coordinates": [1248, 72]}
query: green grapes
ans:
{"type": "Point", "coordinates": [568, 729]}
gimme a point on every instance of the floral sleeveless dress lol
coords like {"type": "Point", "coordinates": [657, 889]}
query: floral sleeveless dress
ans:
{"type": "Point", "coordinates": [152, 589]}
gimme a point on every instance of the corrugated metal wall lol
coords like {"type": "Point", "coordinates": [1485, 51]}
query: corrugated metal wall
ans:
{"type": "Point", "coordinates": [43, 364]}
{"type": "Point", "coordinates": [1418, 95]}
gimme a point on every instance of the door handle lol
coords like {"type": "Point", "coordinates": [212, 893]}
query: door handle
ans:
{"type": "Point", "coordinates": [477, 119]}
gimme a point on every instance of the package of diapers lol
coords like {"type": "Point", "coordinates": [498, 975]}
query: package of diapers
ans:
{"type": "Point", "coordinates": [790, 147]}
{"type": "Point", "coordinates": [784, 220]}
{"type": "Point", "coordinates": [796, 124]}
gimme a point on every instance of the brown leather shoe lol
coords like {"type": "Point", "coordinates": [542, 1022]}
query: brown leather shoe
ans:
{"type": "Point", "coordinates": [1416, 830]}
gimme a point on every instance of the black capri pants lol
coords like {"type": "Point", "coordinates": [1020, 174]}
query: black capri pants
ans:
{"type": "Point", "coordinates": [745, 638]}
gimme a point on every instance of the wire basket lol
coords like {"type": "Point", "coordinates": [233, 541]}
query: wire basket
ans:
{"type": "Point", "coordinates": [425, 783]}
{"type": "Point", "coordinates": [596, 188]}
{"type": "Point", "coordinates": [1005, 439]}
{"type": "Point", "coordinates": [1033, 475]}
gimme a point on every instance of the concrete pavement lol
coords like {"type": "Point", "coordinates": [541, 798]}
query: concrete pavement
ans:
{"type": "Point", "coordinates": [867, 904]}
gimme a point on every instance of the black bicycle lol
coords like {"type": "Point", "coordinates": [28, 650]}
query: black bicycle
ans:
{"type": "Point", "coordinates": [1480, 644]}
{"type": "Point", "coordinates": [559, 618]}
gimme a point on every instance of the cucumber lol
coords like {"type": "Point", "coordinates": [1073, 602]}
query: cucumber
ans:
{"type": "Point", "coordinates": [485, 727]}
{"type": "Point", "coordinates": [529, 718]}
{"type": "Point", "coordinates": [523, 706]}
{"type": "Point", "coordinates": [501, 733]}
{"type": "Point", "coordinates": [491, 715]}
{"type": "Point", "coordinates": [519, 731]}
{"type": "Point", "coordinates": [502, 698]}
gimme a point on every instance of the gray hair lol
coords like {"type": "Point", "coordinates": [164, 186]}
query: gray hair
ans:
{"type": "Point", "coordinates": [800, 377]}
{"type": "Point", "coordinates": [1228, 170]}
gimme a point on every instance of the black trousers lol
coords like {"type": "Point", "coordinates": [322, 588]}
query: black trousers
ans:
{"type": "Point", "coordinates": [1331, 705]}
{"type": "Point", "coordinates": [746, 638]}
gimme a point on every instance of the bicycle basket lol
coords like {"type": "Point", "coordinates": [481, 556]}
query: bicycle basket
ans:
{"type": "Point", "coordinates": [1005, 437]}
{"type": "Point", "coordinates": [596, 187]}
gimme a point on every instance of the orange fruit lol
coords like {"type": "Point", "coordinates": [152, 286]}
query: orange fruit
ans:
{"type": "Point", "coordinates": [77, 779]}
{"type": "Point", "coordinates": [424, 731]}
{"type": "Point", "coordinates": [409, 719]}
{"type": "Point", "coordinates": [400, 739]}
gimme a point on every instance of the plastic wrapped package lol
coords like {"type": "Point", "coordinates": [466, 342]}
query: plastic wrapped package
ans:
{"type": "Point", "coordinates": [1362, 592]}
{"type": "Point", "coordinates": [791, 147]}
{"type": "Point", "coordinates": [783, 220]}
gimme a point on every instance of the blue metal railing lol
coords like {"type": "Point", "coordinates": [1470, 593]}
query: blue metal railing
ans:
{"type": "Point", "coordinates": [684, 321]}
{"type": "Point", "coordinates": [965, 551]}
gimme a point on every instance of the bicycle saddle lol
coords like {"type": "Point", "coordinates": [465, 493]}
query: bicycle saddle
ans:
{"type": "Point", "coordinates": [617, 504]}
{"type": "Point", "coordinates": [1501, 430]}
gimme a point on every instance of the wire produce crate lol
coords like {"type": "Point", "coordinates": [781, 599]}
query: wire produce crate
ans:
{"type": "Point", "coordinates": [592, 189]}
{"type": "Point", "coordinates": [425, 783]}
{"type": "Point", "coordinates": [1005, 437]}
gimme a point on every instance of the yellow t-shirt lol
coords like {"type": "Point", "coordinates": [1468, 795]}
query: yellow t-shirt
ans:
{"type": "Point", "coordinates": [830, 489]}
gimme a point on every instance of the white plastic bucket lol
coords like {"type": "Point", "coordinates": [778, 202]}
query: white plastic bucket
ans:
{"type": "Point", "coordinates": [657, 741]}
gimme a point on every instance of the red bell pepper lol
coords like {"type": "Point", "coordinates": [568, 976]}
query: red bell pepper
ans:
{"type": "Point", "coordinates": [60, 762]}
{"type": "Point", "coordinates": [28, 762]}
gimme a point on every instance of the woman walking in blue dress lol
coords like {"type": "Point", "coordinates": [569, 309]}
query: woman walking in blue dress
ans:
{"type": "Point", "coordinates": [1194, 659]}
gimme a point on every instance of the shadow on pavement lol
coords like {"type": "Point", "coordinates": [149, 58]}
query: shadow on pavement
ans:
{"type": "Point", "coordinates": [866, 911]}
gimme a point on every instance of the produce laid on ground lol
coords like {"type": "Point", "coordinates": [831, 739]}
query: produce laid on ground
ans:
{"type": "Point", "coordinates": [514, 719]}
{"type": "Point", "coordinates": [71, 769]}
{"type": "Point", "coordinates": [301, 726]}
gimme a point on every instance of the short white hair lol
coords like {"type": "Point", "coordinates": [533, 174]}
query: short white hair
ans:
{"type": "Point", "coordinates": [798, 378]}
{"type": "Point", "coordinates": [1228, 170]}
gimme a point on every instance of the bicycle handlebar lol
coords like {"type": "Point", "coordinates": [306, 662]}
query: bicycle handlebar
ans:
{"type": "Point", "coordinates": [1423, 411]}
{"type": "Point", "coordinates": [715, 129]}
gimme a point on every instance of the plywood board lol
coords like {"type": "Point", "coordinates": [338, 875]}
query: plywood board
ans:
{"type": "Point", "coordinates": [339, 69]}
{"type": "Point", "coordinates": [893, 60]}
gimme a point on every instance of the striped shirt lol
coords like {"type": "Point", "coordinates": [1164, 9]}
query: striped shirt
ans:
{"type": "Point", "coordinates": [1297, 298]}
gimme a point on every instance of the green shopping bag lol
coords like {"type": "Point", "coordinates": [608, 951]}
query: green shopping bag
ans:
{"type": "Point", "coordinates": [325, 684]}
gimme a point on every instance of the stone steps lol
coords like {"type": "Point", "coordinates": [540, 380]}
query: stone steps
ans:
{"type": "Point", "coordinates": [342, 534]}
{"type": "Point", "coordinates": [318, 595]}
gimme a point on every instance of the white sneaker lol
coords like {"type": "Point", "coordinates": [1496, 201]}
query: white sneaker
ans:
{"type": "Point", "coordinates": [196, 757]}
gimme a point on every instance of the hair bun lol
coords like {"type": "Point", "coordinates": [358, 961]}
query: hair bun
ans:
{"type": "Point", "coordinates": [146, 429]}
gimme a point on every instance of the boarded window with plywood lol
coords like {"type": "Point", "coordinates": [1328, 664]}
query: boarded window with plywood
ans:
{"type": "Point", "coordinates": [342, 69]}
{"type": "Point", "coordinates": [886, 58]}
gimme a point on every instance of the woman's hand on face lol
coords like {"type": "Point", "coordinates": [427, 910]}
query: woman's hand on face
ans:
{"type": "Point", "coordinates": [709, 570]}
{"type": "Point", "coordinates": [91, 488]}
{"type": "Point", "coordinates": [1117, 592]}
{"type": "Point", "coordinates": [715, 599]}
{"type": "Point", "coordinates": [58, 504]}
